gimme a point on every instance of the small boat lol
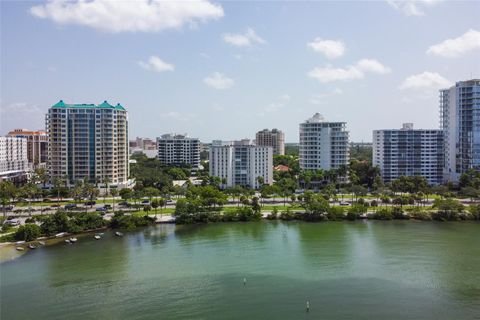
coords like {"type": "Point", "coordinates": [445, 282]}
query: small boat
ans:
{"type": "Point", "coordinates": [97, 237]}
{"type": "Point", "coordinates": [73, 240]}
{"type": "Point", "coordinates": [42, 243]}
{"type": "Point", "coordinates": [119, 234]}
{"type": "Point", "coordinates": [61, 234]}
{"type": "Point", "coordinates": [20, 242]}
{"type": "Point", "coordinates": [20, 248]}
{"type": "Point", "coordinates": [67, 241]}
{"type": "Point", "coordinates": [31, 246]}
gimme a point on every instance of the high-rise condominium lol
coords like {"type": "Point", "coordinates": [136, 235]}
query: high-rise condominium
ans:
{"type": "Point", "coordinates": [37, 146]}
{"type": "Point", "coordinates": [271, 138]}
{"type": "Point", "coordinates": [409, 152]}
{"type": "Point", "coordinates": [88, 141]}
{"type": "Point", "coordinates": [241, 163]}
{"type": "Point", "coordinates": [178, 150]}
{"type": "Point", "coordinates": [323, 145]}
{"type": "Point", "coordinates": [460, 121]}
{"type": "Point", "coordinates": [13, 159]}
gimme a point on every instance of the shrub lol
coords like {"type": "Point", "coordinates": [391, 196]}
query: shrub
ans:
{"type": "Point", "coordinates": [28, 232]}
{"type": "Point", "coordinates": [418, 214]}
{"type": "Point", "coordinates": [335, 213]}
{"type": "Point", "coordinates": [274, 214]}
{"type": "Point", "coordinates": [287, 215]}
{"type": "Point", "coordinates": [383, 214]}
{"type": "Point", "coordinates": [397, 213]}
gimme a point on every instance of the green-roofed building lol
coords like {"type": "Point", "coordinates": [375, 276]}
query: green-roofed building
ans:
{"type": "Point", "coordinates": [88, 141]}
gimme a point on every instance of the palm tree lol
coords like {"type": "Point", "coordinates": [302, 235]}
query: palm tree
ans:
{"type": "Point", "coordinates": [106, 181]}
{"type": "Point", "coordinates": [57, 184]}
{"type": "Point", "coordinates": [113, 193]}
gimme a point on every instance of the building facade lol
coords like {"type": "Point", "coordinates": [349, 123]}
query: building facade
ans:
{"type": "Point", "coordinates": [241, 163]}
{"type": "Point", "coordinates": [409, 152]}
{"type": "Point", "coordinates": [13, 159]}
{"type": "Point", "coordinates": [323, 145]}
{"type": "Point", "coordinates": [271, 138]}
{"type": "Point", "coordinates": [179, 150]}
{"type": "Point", "coordinates": [37, 146]}
{"type": "Point", "coordinates": [88, 141]}
{"type": "Point", "coordinates": [460, 121]}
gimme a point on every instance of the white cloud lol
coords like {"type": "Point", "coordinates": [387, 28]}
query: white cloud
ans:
{"type": "Point", "coordinates": [275, 106]}
{"type": "Point", "coordinates": [322, 97]}
{"type": "Point", "coordinates": [425, 80]}
{"type": "Point", "coordinates": [373, 66]}
{"type": "Point", "coordinates": [331, 49]}
{"type": "Point", "coordinates": [243, 40]}
{"type": "Point", "coordinates": [451, 48]}
{"type": "Point", "coordinates": [21, 115]}
{"type": "Point", "coordinates": [156, 64]}
{"type": "Point", "coordinates": [128, 16]}
{"type": "Point", "coordinates": [329, 74]}
{"type": "Point", "coordinates": [219, 81]}
{"type": "Point", "coordinates": [412, 7]}
{"type": "Point", "coordinates": [357, 71]}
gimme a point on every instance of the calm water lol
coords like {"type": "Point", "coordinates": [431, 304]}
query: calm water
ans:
{"type": "Point", "coordinates": [361, 270]}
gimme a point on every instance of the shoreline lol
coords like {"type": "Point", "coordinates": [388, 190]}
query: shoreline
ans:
{"type": "Point", "coordinates": [13, 254]}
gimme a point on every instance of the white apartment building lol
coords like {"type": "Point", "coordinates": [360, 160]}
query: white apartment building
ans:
{"type": "Point", "coordinates": [13, 159]}
{"type": "Point", "coordinates": [88, 141]}
{"type": "Point", "coordinates": [37, 146]}
{"type": "Point", "coordinates": [178, 150]}
{"type": "Point", "coordinates": [460, 121]}
{"type": "Point", "coordinates": [241, 163]}
{"type": "Point", "coordinates": [323, 145]}
{"type": "Point", "coordinates": [409, 152]}
{"type": "Point", "coordinates": [271, 138]}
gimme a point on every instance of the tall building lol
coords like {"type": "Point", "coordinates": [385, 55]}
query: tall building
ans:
{"type": "Point", "coordinates": [13, 159]}
{"type": "Point", "coordinates": [37, 146]}
{"type": "Point", "coordinates": [460, 121]}
{"type": "Point", "coordinates": [178, 150]}
{"type": "Point", "coordinates": [271, 138]}
{"type": "Point", "coordinates": [88, 141]}
{"type": "Point", "coordinates": [323, 145]}
{"type": "Point", "coordinates": [409, 152]}
{"type": "Point", "coordinates": [241, 163]}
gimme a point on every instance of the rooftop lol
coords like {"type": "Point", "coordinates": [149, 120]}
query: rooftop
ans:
{"type": "Point", "coordinates": [103, 105]}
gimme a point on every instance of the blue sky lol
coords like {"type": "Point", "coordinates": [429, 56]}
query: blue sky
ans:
{"type": "Point", "coordinates": [224, 70]}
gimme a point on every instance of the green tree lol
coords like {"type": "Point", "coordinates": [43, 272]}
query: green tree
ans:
{"type": "Point", "coordinates": [28, 232]}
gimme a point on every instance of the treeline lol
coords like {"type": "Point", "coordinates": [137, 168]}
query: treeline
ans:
{"type": "Point", "coordinates": [75, 222]}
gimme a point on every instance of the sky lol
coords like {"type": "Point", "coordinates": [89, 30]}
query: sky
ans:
{"type": "Point", "coordinates": [225, 70]}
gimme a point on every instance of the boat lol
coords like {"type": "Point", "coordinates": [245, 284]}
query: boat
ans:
{"type": "Point", "coordinates": [61, 234]}
{"type": "Point", "coordinates": [97, 237]}
{"type": "Point", "coordinates": [31, 246]}
{"type": "Point", "coordinates": [67, 241]}
{"type": "Point", "coordinates": [20, 242]}
{"type": "Point", "coordinates": [42, 243]}
{"type": "Point", "coordinates": [119, 234]}
{"type": "Point", "coordinates": [20, 248]}
{"type": "Point", "coordinates": [73, 239]}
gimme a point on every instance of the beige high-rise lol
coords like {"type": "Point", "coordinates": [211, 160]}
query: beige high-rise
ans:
{"type": "Point", "coordinates": [271, 138]}
{"type": "Point", "coordinates": [88, 141]}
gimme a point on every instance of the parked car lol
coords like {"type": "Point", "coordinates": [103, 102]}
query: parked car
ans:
{"type": "Point", "coordinates": [343, 203]}
{"type": "Point", "coordinates": [70, 206]}
{"type": "Point", "coordinates": [107, 206]}
{"type": "Point", "coordinates": [145, 202]}
{"type": "Point", "coordinates": [13, 222]}
{"type": "Point", "coordinates": [101, 209]}
{"type": "Point", "coordinates": [90, 203]}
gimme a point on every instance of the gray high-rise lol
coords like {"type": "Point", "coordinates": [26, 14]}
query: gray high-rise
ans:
{"type": "Point", "coordinates": [460, 121]}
